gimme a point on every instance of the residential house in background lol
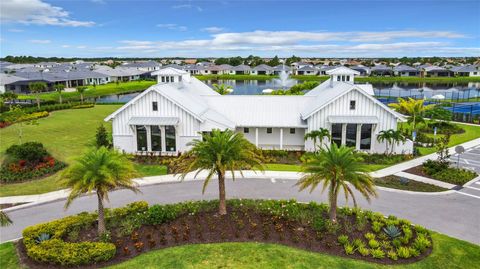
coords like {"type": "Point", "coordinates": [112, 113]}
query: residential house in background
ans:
{"type": "Point", "coordinates": [148, 66]}
{"type": "Point", "coordinates": [466, 70]}
{"type": "Point", "coordinates": [240, 70]}
{"type": "Point", "coordinates": [262, 69]}
{"type": "Point", "coordinates": [306, 70]}
{"type": "Point", "coordinates": [405, 71]}
{"type": "Point", "coordinates": [279, 68]}
{"type": "Point", "coordinates": [434, 71]}
{"type": "Point", "coordinates": [164, 118]}
{"type": "Point", "coordinates": [381, 70]}
{"type": "Point", "coordinates": [361, 69]}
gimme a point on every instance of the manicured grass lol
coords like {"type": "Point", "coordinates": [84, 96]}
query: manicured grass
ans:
{"type": "Point", "coordinates": [65, 134]}
{"type": "Point", "coordinates": [146, 170]}
{"type": "Point", "coordinates": [447, 253]}
{"type": "Point", "coordinates": [8, 256]}
{"type": "Point", "coordinates": [296, 167]}
{"type": "Point", "coordinates": [471, 132]}
{"type": "Point", "coordinates": [100, 90]}
{"type": "Point", "coordinates": [394, 182]}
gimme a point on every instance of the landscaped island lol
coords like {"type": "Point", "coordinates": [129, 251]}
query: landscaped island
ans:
{"type": "Point", "coordinates": [138, 228]}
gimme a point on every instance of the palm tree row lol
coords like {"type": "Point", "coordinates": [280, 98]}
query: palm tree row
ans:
{"type": "Point", "coordinates": [390, 137]}
{"type": "Point", "coordinates": [218, 152]}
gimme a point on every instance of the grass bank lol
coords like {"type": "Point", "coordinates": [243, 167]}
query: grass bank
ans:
{"type": "Point", "coordinates": [66, 134]}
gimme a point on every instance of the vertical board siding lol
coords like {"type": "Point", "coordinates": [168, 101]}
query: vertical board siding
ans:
{"type": "Point", "coordinates": [188, 125]}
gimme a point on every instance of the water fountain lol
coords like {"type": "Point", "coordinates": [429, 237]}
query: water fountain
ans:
{"type": "Point", "coordinates": [283, 81]}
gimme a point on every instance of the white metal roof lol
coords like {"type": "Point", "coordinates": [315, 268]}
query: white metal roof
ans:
{"type": "Point", "coordinates": [342, 70]}
{"type": "Point", "coordinates": [153, 121]}
{"type": "Point", "coordinates": [169, 71]}
{"type": "Point", "coordinates": [353, 119]}
{"type": "Point", "coordinates": [260, 111]}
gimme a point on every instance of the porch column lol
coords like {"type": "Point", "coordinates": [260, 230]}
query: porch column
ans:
{"type": "Point", "coordinates": [359, 136]}
{"type": "Point", "coordinates": [149, 136]}
{"type": "Point", "coordinates": [162, 133]}
{"type": "Point", "coordinates": [256, 137]}
{"type": "Point", "coordinates": [281, 138]}
{"type": "Point", "coordinates": [344, 134]}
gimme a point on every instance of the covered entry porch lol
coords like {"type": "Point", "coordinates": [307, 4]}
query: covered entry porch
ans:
{"type": "Point", "coordinates": [353, 131]}
{"type": "Point", "coordinates": [156, 135]}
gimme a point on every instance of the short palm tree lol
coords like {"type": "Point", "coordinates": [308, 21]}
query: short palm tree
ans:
{"type": "Point", "coordinates": [397, 137]}
{"type": "Point", "coordinates": [4, 219]}
{"type": "Point", "coordinates": [9, 97]}
{"type": "Point", "coordinates": [319, 135]}
{"type": "Point", "coordinates": [81, 90]}
{"type": "Point", "coordinates": [385, 136]}
{"type": "Point", "coordinates": [413, 108]}
{"type": "Point", "coordinates": [222, 89]}
{"type": "Point", "coordinates": [36, 88]}
{"type": "Point", "coordinates": [59, 88]}
{"type": "Point", "coordinates": [100, 170]}
{"type": "Point", "coordinates": [337, 168]}
{"type": "Point", "coordinates": [217, 153]}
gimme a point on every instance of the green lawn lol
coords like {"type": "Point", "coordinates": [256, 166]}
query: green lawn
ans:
{"type": "Point", "coordinates": [471, 132]}
{"type": "Point", "coordinates": [296, 167]}
{"type": "Point", "coordinates": [394, 182]}
{"type": "Point", "coordinates": [8, 256]}
{"type": "Point", "coordinates": [100, 90]}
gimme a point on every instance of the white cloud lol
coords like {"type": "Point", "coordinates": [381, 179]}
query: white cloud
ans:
{"type": "Point", "coordinates": [213, 29]}
{"type": "Point", "coordinates": [98, 1]}
{"type": "Point", "coordinates": [188, 6]}
{"type": "Point", "coordinates": [340, 44]}
{"type": "Point", "coordinates": [81, 47]}
{"type": "Point", "coordinates": [37, 12]}
{"type": "Point", "coordinates": [15, 30]}
{"type": "Point", "coordinates": [40, 41]}
{"type": "Point", "coordinates": [65, 46]}
{"type": "Point", "coordinates": [173, 26]}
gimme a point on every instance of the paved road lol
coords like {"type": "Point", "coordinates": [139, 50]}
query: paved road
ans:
{"type": "Point", "coordinates": [469, 160]}
{"type": "Point", "coordinates": [453, 214]}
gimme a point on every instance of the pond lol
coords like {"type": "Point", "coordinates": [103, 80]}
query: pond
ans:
{"type": "Point", "coordinates": [251, 87]}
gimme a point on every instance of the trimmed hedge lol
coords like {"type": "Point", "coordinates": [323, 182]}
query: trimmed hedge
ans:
{"type": "Point", "coordinates": [59, 252]}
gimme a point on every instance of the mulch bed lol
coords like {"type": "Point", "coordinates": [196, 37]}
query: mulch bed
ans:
{"type": "Point", "coordinates": [236, 226]}
{"type": "Point", "coordinates": [418, 170]}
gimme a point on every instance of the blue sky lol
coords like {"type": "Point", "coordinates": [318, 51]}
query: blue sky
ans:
{"type": "Point", "coordinates": [92, 28]}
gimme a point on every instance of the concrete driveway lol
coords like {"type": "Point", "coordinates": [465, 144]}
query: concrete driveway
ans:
{"type": "Point", "coordinates": [450, 213]}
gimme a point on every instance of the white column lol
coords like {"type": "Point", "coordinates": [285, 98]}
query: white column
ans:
{"type": "Point", "coordinates": [149, 136]}
{"type": "Point", "coordinates": [359, 136]}
{"type": "Point", "coordinates": [162, 133]}
{"type": "Point", "coordinates": [281, 138]}
{"type": "Point", "coordinates": [256, 137]}
{"type": "Point", "coordinates": [344, 134]}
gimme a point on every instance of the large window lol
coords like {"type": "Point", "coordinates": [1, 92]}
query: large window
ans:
{"type": "Point", "coordinates": [337, 134]}
{"type": "Point", "coordinates": [141, 138]}
{"type": "Point", "coordinates": [351, 135]}
{"type": "Point", "coordinates": [366, 136]}
{"type": "Point", "coordinates": [170, 139]}
{"type": "Point", "coordinates": [156, 137]}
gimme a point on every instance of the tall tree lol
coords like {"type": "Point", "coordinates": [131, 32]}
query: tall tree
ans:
{"type": "Point", "coordinates": [319, 135]}
{"type": "Point", "coordinates": [100, 170]}
{"type": "Point", "coordinates": [274, 61]}
{"type": "Point", "coordinates": [413, 108]}
{"type": "Point", "coordinates": [81, 90]}
{"type": "Point", "coordinates": [59, 88]}
{"type": "Point", "coordinates": [101, 137]}
{"type": "Point", "coordinates": [36, 88]}
{"type": "Point", "coordinates": [337, 169]}
{"type": "Point", "coordinates": [218, 152]}
{"type": "Point", "coordinates": [222, 89]}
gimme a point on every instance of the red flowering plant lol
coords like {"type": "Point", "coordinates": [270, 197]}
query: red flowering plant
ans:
{"type": "Point", "coordinates": [28, 161]}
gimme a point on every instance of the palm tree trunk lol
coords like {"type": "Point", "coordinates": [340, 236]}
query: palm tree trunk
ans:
{"type": "Point", "coordinates": [60, 98]}
{"type": "Point", "coordinates": [222, 209]}
{"type": "Point", "coordinates": [101, 215]}
{"type": "Point", "coordinates": [81, 97]}
{"type": "Point", "coordinates": [333, 203]}
{"type": "Point", "coordinates": [38, 101]}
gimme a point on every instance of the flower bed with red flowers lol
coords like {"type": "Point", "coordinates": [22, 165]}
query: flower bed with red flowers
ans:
{"type": "Point", "coordinates": [28, 161]}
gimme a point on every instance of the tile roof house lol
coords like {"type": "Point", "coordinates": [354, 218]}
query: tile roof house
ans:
{"type": "Point", "coordinates": [167, 116]}
{"type": "Point", "coordinates": [262, 69]}
{"type": "Point", "coordinates": [405, 71]}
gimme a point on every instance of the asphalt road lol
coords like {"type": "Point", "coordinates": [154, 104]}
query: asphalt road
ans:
{"type": "Point", "coordinates": [453, 214]}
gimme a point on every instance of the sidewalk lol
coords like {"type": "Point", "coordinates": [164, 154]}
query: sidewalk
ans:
{"type": "Point", "coordinates": [29, 200]}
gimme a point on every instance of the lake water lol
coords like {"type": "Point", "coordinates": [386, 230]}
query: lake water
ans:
{"type": "Point", "coordinates": [251, 87]}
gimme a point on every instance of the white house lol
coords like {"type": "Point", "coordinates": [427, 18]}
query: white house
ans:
{"type": "Point", "coordinates": [168, 115]}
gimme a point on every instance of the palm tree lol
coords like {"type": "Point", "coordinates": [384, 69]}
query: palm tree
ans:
{"type": "Point", "coordinates": [397, 137]}
{"type": "Point", "coordinates": [385, 135]}
{"type": "Point", "coordinates": [4, 219]}
{"type": "Point", "coordinates": [413, 108]}
{"type": "Point", "coordinates": [9, 97]}
{"type": "Point", "coordinates": [222, 89]}
{"type": "Point", "coordinates": [217, 153]}
{"type": "Point", "coordinates": [36, 88]}
{"type": "Point", "coordinates": [59, 88]}
{"type": "Point", "coordinates": [81, 90]}
{"type": "Point", "coordinates": [319, 135]}
{"type": "Point", "coordinates": [100, 170]}
{"type": "Point", "coordinates": [337, 168]}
